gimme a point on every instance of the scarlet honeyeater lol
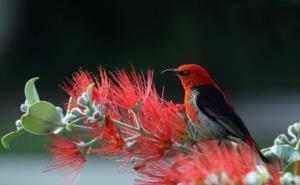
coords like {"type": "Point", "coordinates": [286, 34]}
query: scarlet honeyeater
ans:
{"type": "Point", "coordinates": [208, 108]}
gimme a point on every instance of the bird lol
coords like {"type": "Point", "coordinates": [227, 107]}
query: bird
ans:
{"type": "Point", "coordinates": [209, 109]}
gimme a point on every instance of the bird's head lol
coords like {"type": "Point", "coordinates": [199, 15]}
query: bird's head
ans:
{"type": "Point", "coordinates": [191, 75]}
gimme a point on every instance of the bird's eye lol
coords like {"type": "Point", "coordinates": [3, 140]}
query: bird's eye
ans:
{"type": "Point", "coordinates": [184, 73]}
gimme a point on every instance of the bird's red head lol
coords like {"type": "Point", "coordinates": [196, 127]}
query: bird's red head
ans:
{"type": "Point", "coordinates": [191, 75]}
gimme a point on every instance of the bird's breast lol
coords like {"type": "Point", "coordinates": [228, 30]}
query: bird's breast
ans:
{"type": "Point", "coordinates": [207, 127]}
{"type": "Point", "coordinates": [190, 109]}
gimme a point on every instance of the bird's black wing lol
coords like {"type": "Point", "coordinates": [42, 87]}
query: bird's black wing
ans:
{"type": "Point", "coordinates": [212, 102]}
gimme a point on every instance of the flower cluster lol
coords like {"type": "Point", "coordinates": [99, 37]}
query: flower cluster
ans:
{"type": "Point", "coordinates": [136, 124]}
{"type": "Point", "coordinates": [67, 155]}
{"type": "Point", "coordinates": [210, 164]}
{"type": "Point", "coordinates": [122, 117]}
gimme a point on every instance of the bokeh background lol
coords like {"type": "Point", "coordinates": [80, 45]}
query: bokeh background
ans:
{"type": "Point", "coordinates": [251, 48]}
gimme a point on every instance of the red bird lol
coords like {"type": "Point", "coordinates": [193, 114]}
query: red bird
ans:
{"type": "Point", "coordinates": [208, 108]}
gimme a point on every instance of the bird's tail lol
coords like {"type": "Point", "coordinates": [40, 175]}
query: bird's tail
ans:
{"type": "Point", "coordinates": [255, 147]}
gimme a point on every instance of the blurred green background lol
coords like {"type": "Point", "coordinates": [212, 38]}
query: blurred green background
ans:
{"type": "Point", "coordinates": [251, 48]}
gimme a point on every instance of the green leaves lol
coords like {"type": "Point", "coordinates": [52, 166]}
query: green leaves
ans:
{"type": "Point", "coordinates": [31, 97]}
{"type": "Point", "coordinates": [293, 168]}
{"type": "Point", "coordinates": [31, 92]}
{"type": "Point", "coordinates": [291, 174]}
{"type": "Point", "coordinates": [5, 140]}
{"type": "Point", "coordinates": [286, 153]}
{"type": "Point", "coordinates": [287, 149]}
{"type": "Point", "coordinates": [42, 118]}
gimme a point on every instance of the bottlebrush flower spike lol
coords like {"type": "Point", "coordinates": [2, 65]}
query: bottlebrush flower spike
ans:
{"type": "Point", "coordinates": [78, 83]}
{"type": "Point", "coordinates": [149, 112]}
{"type": "Point", "coordinates": [227, 165]}
{"type": "Point", "coordinates": [162, 118]}
{"type": "Point", "coordinates": [66, 155]}
{"type": "Point", "coordinates": [165, 123]}
{"type": "Point", "coordinates": [101, 93]}
{"type": "Point", "coordinates": [82, 79]}
{"type": "Point", "coordinates": [131, 89]}
{"type": "Point", "coordinates": [111, 142]}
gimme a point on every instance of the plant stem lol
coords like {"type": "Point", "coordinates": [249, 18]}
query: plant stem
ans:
{"type": "Point", "coordinates": [133, 129]}
{"type": "Point", "coordinates": [182, 148]}
{"type": "Point", "coordinates": [83, 127]}
{"type": "Point", "coordinates": [125, 126]}
{"type": "Point", "coordinates": [91, 142]}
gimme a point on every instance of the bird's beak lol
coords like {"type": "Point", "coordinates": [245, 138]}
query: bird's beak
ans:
{"type": "Point", "coordinates": [171, 71]}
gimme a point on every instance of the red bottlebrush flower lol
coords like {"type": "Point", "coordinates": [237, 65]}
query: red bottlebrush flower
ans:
{"type": "Point", "coordinates": [82, 79]}
{"type": "Point", "coordinates": [78, 84]}
{"type": "Point", "coordinates": [167, 127]}
{"type": "Point", "coordinates": [196, 168]}
{"type": "Point", "coordinates": [101, 92]}
{"type": "Point", "coordinates": [111, 141]}
{"type": "Point", "coordinates": [131, 89]}
{"type": "Point", "coordinates": [162, 119]}
{"type": "Point", "coordinates": [66, 155]}
{"type": "Point", "coordinates": [146, 153]}
{"type": "Point", "coordinates": [179, 107]}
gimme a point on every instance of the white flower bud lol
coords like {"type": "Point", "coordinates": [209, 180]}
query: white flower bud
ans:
{"type": "Point", "coordinates": [92, 120]}
{"type": "Point", "coordinates": [24, 107]}
{"type": "Point", "coordinates": [287, 179]}
{"type": "Point", "coordinates": [252, 178]}
{"type": "Point", "coordinates": [82, 101]}
{"type": "Point", "coordinates": [19, 124]}
{"type": "Point", "coordinates": [77, 112]}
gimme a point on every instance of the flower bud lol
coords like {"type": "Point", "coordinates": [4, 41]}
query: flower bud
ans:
{"type": "Point", "coordinates": [252, 179]}
{"type": "Point", "coordinates": [24, 107]}
{"type": "Point", "coordinates": [92, 120]}
{"type": "Point", "coordinates": [97, 115]}
{"type": "Point", "coordinates": [19, 124]}
{"type": "Point", "coordinates": [77, 112]}
{"type": "Point", "coordinates": [287, 179]}
{"type": "Point", "coordinates": [82, 100]}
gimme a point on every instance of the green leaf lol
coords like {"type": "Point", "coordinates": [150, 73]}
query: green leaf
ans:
{"type": "Point", "coordinates": [10, 136]}
{"type": "Point", "coordinates": [42, 118]}
{"type": "Point", "coordinates": [286, 153]}
{"type": "Point", "coordinates": [264, 150]}
{"type": "Point", "coordinates": [298, 146]}
{"type": "Point", "coordinates": [31, 92]}
{"type": "Point", "coordinates": [271, 156]}
{"type": "Point", "coordinates": [293, 167]}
